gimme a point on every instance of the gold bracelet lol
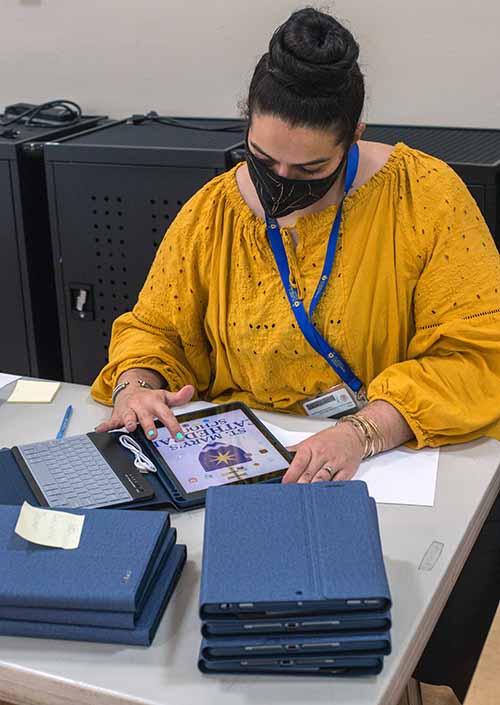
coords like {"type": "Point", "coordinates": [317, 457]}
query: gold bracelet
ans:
{"type": "Point", "coordinates": [369, 433]}
{"type": "Point", "coordinates": [377, 438]}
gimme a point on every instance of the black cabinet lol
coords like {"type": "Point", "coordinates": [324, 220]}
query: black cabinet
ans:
{"type": "Point", "coordinates": [113, 193]}
{"type": "Point", "coordinates": [30, 343]}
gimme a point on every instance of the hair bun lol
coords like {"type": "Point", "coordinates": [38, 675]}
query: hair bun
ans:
{"type": "Point", "coordinates": [313, 55]}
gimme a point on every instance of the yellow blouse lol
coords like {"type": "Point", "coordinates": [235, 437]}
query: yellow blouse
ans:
{"type": "Point", "coordinates": [413, 303]}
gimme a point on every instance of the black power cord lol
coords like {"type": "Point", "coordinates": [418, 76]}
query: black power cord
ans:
{"type": "Point", "coordinates": [153, 116]}
{"type": "Point", "coordinates": [71, 107]}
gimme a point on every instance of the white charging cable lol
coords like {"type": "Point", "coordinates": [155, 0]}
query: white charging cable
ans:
{"type": "Point", "coordinates": [141, 460]}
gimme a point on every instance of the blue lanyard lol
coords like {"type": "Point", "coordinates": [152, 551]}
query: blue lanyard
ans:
{"type": "Point", "coordinates": [313, 337]}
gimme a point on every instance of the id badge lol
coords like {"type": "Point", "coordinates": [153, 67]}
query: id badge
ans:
{"type": "Point", "coordinates": [335, 402]}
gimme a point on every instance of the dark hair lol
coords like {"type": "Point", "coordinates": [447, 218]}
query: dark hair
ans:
{"type": "Point", "coordinates": [310, 76]}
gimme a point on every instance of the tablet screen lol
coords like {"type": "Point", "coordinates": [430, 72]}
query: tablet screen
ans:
{"type": "Point", "coordinates": [218, 449]}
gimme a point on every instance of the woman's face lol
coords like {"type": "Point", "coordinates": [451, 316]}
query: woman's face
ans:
{"type": "Point", "coordinates": [294, 152]}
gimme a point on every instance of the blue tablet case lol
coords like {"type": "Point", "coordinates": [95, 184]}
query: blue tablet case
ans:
{"type": "Point", "coordinates": [142, 634]}
{"type": "Point", "coordinates": [290, 647]}
{"type": "Point", "coordinates": [338, 667]}
{"type": "Point", "coordinates": [108, 571]}
{"type": "Point", "coordinates": [101, 618]}
{"type": "Point", "coordinates": [295, 549]}
{"type": "Point", "coordinates": [340, 623]}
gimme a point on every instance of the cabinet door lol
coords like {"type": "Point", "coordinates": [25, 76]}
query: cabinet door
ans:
{"type": "Point", "coordinates": [111, 220]}
{"type": "Point", "coordinates": [14, 355]}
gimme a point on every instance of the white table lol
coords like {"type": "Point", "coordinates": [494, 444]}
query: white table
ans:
{"type": "Point", "coordinates": [48, 672]}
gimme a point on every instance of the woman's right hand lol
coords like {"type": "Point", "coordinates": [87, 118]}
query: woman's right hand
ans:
{"type": "Point", "coordinates": [139, 406]}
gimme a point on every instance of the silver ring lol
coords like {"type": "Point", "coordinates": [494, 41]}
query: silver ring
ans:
{"type": "Point", "coordinates": [331, 471]}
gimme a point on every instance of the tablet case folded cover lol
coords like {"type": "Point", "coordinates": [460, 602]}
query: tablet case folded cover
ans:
{"type": "Point", "coordinates": [101, 618]}
{"type": "Point", "coordinates": [297, 666]}
{"type": "Point", "coordinates": [141, 635]}
{"type": "Point", "coordinates": [290, 647]}
{"type": "Point", "coordinates": [339, 623]}
{"type": "Point", "coordinates": [291, 548]}
{"type": "Point", "coordinates": [107, 571]}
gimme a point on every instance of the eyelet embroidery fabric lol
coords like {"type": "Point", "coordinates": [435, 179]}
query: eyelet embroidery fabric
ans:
{"type": "Point", "coordinates": [412, 303]}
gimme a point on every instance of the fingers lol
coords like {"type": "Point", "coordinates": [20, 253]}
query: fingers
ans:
{"type": "Point", "coordinates": [109, 425]}
{"type": "Point", "coordinates": [324, 475]}
{"type": "Point", "coordinates": [129, 418]}
{"type": "Point", "coordinates": [169, 420]}
{"type": "Point", "coordinates": [146, 419]}
{"type": "Point", "coordinates": [142, 406]}
{"type": "Point", "coordinates": [304, 466]}
{"type": "Point", "coordinates": [117, 420]}
{"type": "Point", "coordinates": [345, 474]}
{"type": "Point", "coordinates": [181, 397]}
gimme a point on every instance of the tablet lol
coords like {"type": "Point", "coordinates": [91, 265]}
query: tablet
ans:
{"type": "Point", "coordinates": [223, 445]}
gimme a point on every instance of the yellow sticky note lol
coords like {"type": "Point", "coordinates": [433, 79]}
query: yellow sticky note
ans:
{"type": "Point", "coordinates": [49, 527]}
{"type": "Point", "coordinates": [34, 391]}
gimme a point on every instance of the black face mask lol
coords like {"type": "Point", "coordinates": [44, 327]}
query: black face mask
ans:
{"type": "Point", "coordinates": [280, 196]}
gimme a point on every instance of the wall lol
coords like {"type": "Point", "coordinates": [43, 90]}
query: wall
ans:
{"type": "Point", "coordinates": [428, 62]}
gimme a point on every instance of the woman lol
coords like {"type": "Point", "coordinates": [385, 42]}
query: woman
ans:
{"type": "Point", "coordinates": [410, 311]}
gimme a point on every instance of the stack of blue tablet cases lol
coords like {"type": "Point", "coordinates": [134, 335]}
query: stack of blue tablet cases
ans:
{"type": "Point", "coordinates": [293, 581]}
{"type": "Point", "coordinates": [114, 587]}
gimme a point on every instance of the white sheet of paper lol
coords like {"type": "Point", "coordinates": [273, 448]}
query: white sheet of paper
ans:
{"type": "Point", "coordinates": [49, 527]}
{"type": "Point", "coordinates": [6, 379]}
{"type": "Point", "coordinates": [399, 476]}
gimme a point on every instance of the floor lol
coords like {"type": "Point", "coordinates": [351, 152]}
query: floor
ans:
{"type": "Point", "coordinates": [485, 686]}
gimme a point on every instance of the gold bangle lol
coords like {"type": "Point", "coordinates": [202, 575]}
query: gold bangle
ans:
{"type": "Point", "coordinates": [378, 438]}
{"type": "Point", "coordinates": [370, 435]}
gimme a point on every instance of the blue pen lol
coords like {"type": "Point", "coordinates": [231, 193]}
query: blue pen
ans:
{"type": "Point", "coordinates": [64, 423]}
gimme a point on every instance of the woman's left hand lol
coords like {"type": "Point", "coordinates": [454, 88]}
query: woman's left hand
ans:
{"type": "Point", "coordinates": [338, 448]}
